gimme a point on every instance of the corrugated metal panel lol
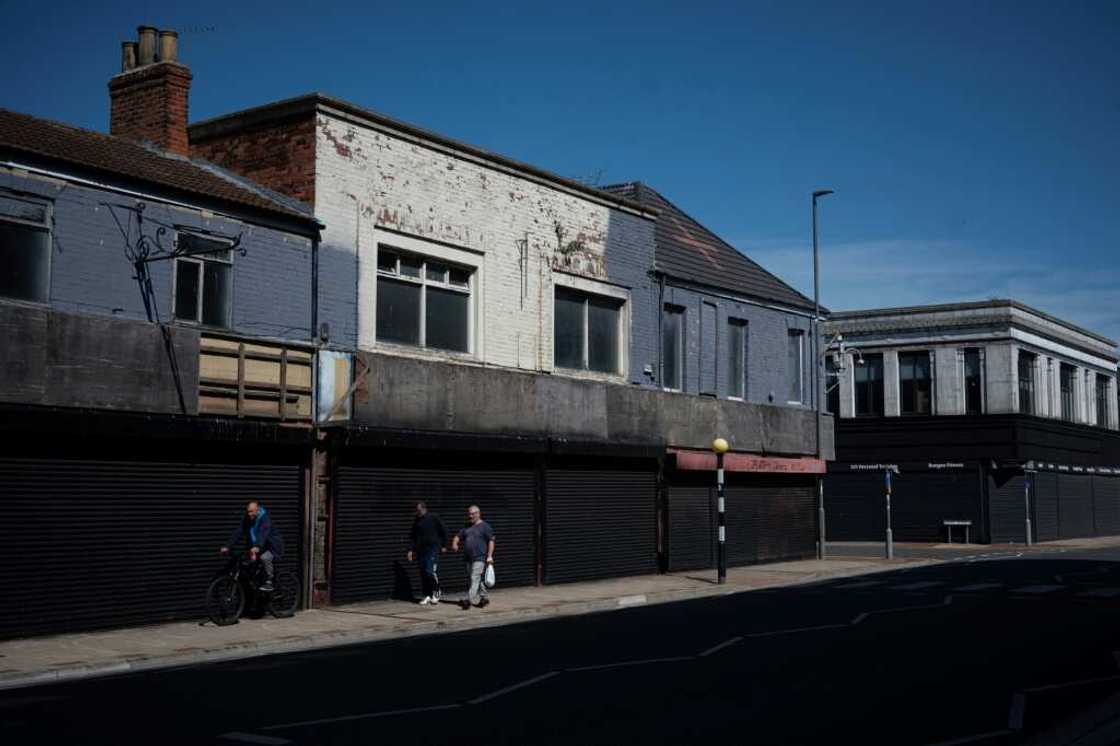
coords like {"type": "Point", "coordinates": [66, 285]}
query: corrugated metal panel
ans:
{"type": "Point", "coordinates": [94, 544]}
{"type": "Point", "coordinates": [1044, 499]}
{"type": "Point", "coordinates": [599, 524]}
{"type": "Point", "coordinates": [374, 508]}
{"type": "Point", "coordinates": [770, 518]}
{"type": "Point", "coordinates": [692, 527]}
{"type": "Point", "coordinates": [1106, 504]}
{"type": "Point", "coordinates": [854, 505]}
{"type": "Point", "coordinates": [1006, 508]}
{"type": "Point", "coordinates": [1075, 506]}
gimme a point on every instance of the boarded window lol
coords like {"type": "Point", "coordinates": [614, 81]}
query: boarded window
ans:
{"type": "Point", "coordinates": [737, 358]}
{"type": "Point", "coordinates": [587, 331]}
{"type": "Point", "coordinates": [203, 280]}
{"type": "Point", "coordinates": [672, 348]}
{"type": "Point", "coordinates": [422, 302]}
{"type": "Point", "coordinates": [25, 250]}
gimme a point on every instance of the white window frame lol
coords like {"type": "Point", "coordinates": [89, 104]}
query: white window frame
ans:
{"type": "Point", "coordinates": [47, 226]}
{"type": "Point", "coordinates": [682, 312]}
{"type": "Point", "coordinates": [423, 282]}
{"type": "Point", "coordinates": [201, 260]}
{"type": "Point", "coordinates": [799, 335]}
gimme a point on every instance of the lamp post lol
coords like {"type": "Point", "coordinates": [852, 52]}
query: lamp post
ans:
{"type": "Point", "coordinates": [817, 362]}
{"type": "Point", "coordinates": [719, 445]}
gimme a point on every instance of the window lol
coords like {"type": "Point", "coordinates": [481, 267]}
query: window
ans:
{"type": "Point", "coordinates": [869, 386]}
{"type": "Point", "coordinates": [25, 249]}
{"type": "Point", "coordinates": [973, 382]}
{"type": "Point", "coordinates": [737, 358]}
{"type": "Point", "coordinates": [796, 366]}
{"type": "Point", "coordinates": [672, 348]}
{"type": "Point", "coordinates": [1103, 385]}
{"type": "Point", "coordinates": [587, 331]}
{"type": "Point", "coordinates": [203, 280]}
{"type": "Point", "coordinates": [1066, 374]}
{"type": "Point", "coordinates": [422, 302]}
{"type": "Point", "coordinates": [1026, 382]}
{"type": "Point", "coordinates": [832, 384]}
{"type": "Point", "coordinates": [914, 383]}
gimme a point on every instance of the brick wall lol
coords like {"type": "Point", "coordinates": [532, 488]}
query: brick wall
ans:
{"type": "Point", "coordinates": [90, 273]}
{"type": "Point", "coordinates": [150, 104]}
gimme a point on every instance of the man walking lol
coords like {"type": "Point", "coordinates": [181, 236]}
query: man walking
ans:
{"type": "Point", "coordinates": [478, 539]}
{"type": "Point", "coordinates": [262, 541]}
{"type": "Point", "coordinates": [428, 539]}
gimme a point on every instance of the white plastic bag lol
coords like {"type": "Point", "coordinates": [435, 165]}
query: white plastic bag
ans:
{"type": "Point", "coordinates": [488, 577]}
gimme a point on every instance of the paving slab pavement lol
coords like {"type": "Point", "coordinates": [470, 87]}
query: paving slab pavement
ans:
{"type": "Point", "coordinates": [45, 660]}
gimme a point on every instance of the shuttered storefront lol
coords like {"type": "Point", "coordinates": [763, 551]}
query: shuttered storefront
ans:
{"type": "Point", "coordinates": [95, 544]}
{"type": "Point", "coordinates": [691, 524]}
{"type": "Point", "coordinates": [769, 518]}
{"type": "Point", "coordinates": [855, 506]}
{"type": "Point", "coordinates": [1044, 506]}
{"type": "Point", "coordinates": [599, 524]}
{"type": "Point", "coordinates": [1075, 506]}
{"type": "Point", "coordinates": [1006, 507]}
{"type": "Point", "coordinates": [374, 509]}
{"type": "Point", "coordinates": [1106, 505]}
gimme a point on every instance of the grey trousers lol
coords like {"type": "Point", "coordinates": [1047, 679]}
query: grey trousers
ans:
{"type": "Point", "coordinates": [478, 588]}
{"type": "Point", "coordinates": [266, 563]}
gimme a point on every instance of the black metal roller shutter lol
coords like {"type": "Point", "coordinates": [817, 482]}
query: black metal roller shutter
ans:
{"type": "Point", "coordinates": [1044, 500]}
{"type": "Point", "coordinates": [374, 508]}
{"type": "Point", "coordinates": [770, 518]}
{"type": "Point", "coordinates": [692, 527]}
{"type": "Point", "coordinates": [95, 544]}
{"type": "Point", "coordinates": [1006, 508]}
{"type": "Point", "coordinates": [854, 506]}
{"type": "Point", "coordinates": [923, 501]}
{"type": "Point", "coordinates": [1075, 506]}
{"type": "Point", "coordinates": [1106, 505]}
{"type": "Point", "coordinates": [599, 524]}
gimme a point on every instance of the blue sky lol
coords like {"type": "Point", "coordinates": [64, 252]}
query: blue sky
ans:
{"type": "Point", "coordinates": [972, 145]}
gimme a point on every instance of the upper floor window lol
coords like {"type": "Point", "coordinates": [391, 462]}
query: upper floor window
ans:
{"type": "Point", "coordinates": [796, 366]}
{"type": "Point", "coordinates": [672, 348]}
{"type": "Point", "coordinates": [422, 302]}
{"type": "Point", "coordinates": [587, 331]}
{"type": "Point", "coordinates": [869, 386]}
{"type": "Point", "coordinates": [25, 249]}
{"type": "Point", "coordinates": [973, 381]}
{"type": "Point", "coordinates": [737, 358]}
{"type": "Point", "coordinates": [915, 383]}
{"type": "Point", "coordinates": [1026, 365]}
{"type": "Point", "coordinates": [1066, 374]}
{"type": "Point", "coordinates": [832, 384]}
{"type": "Point", "coordinates": [1104, 383]}
{"type": "Point", "coordinates": [203, 280]}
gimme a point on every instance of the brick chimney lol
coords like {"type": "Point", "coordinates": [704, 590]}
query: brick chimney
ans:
{"type": "Point", "coordinates": [148, 97]}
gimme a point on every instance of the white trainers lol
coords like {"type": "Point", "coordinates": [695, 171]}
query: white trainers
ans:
{"type": "Point", "coordinates": [427, 601]}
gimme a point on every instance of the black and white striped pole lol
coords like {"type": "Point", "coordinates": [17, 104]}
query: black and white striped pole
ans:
{"type": "Point", "coordinates": [890, 533]}
{"type": "Point", "coordinates": [719, 445]}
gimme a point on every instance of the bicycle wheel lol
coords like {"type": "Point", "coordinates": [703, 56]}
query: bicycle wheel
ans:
{"type": "Point", "coordinates": [224, 601]}
{"type": "Point", "coordinates": [285, 599]}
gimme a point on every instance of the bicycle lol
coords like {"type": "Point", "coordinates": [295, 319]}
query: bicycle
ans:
{"type": "Point", "coordinates": [237, 586]}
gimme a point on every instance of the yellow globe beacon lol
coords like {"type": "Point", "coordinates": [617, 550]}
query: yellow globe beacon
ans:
{"type": "Point", "coordinates": [719, 445]}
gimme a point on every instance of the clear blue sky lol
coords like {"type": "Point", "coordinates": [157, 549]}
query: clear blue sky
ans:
{"type": "Point", "coordinates": [973, 145]}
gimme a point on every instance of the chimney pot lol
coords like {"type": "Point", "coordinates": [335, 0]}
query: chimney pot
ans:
{"type": "Point", "coordinates": [168, 46]}
{"type": "Point", "coordinates": [147, 44]}
{"type": "Point", "coordinates": [128, 56]}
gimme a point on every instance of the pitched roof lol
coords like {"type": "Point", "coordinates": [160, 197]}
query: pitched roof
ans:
{"type": "Point", "coordinates": [25, 134]}
{"type": "Point", "coordinates": [689, 251]}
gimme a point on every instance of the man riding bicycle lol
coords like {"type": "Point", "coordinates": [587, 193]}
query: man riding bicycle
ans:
{"type": "Point", "coordinates": [262, 541]}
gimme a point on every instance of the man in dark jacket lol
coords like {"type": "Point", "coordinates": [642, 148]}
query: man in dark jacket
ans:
{"type": "Point", "coordinates": [427, 539]}
{"type": "Point", "coordinates": [262, 541]}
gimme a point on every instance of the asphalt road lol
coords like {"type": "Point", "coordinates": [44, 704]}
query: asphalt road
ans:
{"type": "Point", "coordinates": [918, 656]}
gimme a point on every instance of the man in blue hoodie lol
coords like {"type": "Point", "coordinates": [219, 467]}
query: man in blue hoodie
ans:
{"type": "Point", "coordinates": [262, 541]}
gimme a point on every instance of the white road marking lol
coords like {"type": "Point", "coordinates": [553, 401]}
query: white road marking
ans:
{"type": "Point", "coordinates": [363, 716]}
{"type": "Point", "coordinates": [861, 584]}
{"type": "Point", "coordinates": [1038, 589]}
{"type": "Point", "coordinates": [917, 586]}
{"type": "Point", "coordinates": [974, 738]}
{"type": "Point", "coordinates": [253, 738]}
{"type": "Point", "coordinates": [721, 646]}
{"type": "Point", "coordinates": [796, 630]}
{"type": "Point", "coordinates": [632, 600]}
{"type": "Point", "coordinates": [513, 688]}
{"type": "Point", "coordinates": [979, 587]}
{"type": "Point", "coordinates": [1101, 593]}
{"type": "Point", "coordinates": [859, 618]}
{"type": "Point", "coordinates": [624, 664]}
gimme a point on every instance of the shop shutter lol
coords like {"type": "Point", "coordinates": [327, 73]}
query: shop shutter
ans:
{"type": "Point", "coordinates": [1006, 508]}
{"type": "Point", "coordinates": [692, 526]}
{"type": "Point", "coordinates": [770, 518]}
{"type": "Point", "coordinates": [1075, 506]}
{"type": "Point", "coordinates": [374, 509]}
{"type": "Point", "coordinates": [1106, 505]}
{"type": "Point", "coordinates": [1044, 502]}
{"type": "Point", "coordinates": [95, 544]}
{"type": "Point", "coordinates": [599, 524]}
{"type": "Point", "coordinates": [854, 504]}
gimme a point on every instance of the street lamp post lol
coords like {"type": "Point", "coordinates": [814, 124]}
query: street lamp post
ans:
{"type": "Point", "coordinates": [817, 362]}
{"type": "Point", "coordinates": [720, 446]}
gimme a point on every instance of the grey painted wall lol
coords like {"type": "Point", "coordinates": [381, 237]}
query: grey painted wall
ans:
{"type": "Point", "coordinates": [90, 273]}
{"type": "Point", "coordinates": [629, 247]}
